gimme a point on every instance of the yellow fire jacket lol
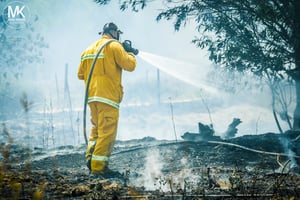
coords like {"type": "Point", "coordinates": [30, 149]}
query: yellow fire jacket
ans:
{"type": "Point", "coordinates": [106, 81]}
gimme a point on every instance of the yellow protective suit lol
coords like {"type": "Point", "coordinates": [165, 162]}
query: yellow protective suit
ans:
{"type": "Point", "coordinates": [104, 96]}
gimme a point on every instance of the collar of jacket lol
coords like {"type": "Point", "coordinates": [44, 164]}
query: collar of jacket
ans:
{"type": "Point", "coordinates": [106, 36]}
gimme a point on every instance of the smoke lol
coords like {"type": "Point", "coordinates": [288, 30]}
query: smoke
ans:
{"type": "Point", "coordinates": [154, 175]}
{"type": "Point", "coordinates": [151, 174]}
{"type": "Point", "coordinates": [139, 117]}
{"type": "Point", "coordinates": [287, 146]}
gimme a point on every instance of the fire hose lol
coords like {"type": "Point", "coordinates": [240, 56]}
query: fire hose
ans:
{"type": "Point", "coordinates": [253, 150]}
{"type": "Point", "coordinates": [212, 142]}
{"type": "Point", "coordinates": [88, 85]}
{"type": "Point", "coordinates": [127, 46]}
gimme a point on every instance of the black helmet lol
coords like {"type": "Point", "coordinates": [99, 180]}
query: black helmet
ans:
{"type": "Point", "coordinates": [110, 27]}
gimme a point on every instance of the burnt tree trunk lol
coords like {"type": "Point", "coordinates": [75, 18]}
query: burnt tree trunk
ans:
{"type": "Point", "coordinates": [232, 130]}
{"type": "Point", "coordinates": [296, 74]}
{"type": "Point", "coordinates": [296, 124]}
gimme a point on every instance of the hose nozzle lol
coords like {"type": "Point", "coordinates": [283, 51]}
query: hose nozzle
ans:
{"type": "Point", "coordinates": [127, 46]}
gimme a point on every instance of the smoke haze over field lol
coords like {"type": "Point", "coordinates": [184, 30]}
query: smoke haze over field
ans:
{"type": "Point", "coordinates": [70, 26]}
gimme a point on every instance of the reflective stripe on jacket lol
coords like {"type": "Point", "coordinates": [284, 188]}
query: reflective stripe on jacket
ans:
{"type": "Point", "coordinates": [105, 85]}
{"type": "Point", "coordinates": [104, 100]}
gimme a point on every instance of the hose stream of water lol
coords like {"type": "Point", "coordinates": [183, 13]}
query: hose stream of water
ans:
{"type": "Point", "coordinates": [186, 72]}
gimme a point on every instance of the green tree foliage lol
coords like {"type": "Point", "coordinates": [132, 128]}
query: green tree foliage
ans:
{"type": "Point", "coordinates": [242, 35]}
{"type": "Point", "coordinates": [257, 36]}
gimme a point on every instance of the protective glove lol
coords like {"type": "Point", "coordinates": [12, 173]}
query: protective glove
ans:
{"type": "Point", "coordinates": [127, 46]}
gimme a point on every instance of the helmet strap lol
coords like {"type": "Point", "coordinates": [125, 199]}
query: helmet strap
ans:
{"type": "Point", "coordinates": [111, 35]}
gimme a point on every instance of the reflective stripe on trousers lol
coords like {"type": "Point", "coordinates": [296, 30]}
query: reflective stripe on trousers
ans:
{"type": "Point", "coordinates": [98, 163]}
{"type": "Point", "coordinates": [100, 158]}
{"type": "Point", "coordinates": [92, 143]}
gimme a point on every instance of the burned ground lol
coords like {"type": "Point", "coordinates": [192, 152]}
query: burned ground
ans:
{"type": "Point", "coordinates": [155, 169]}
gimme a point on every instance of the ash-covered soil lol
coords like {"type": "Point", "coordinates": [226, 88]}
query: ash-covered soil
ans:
{"type": "Point", "coordinates": [248, 167]}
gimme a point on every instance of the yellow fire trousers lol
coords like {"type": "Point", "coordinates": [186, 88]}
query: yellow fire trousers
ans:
{"type": "Point", "coordinates": [103, 134]}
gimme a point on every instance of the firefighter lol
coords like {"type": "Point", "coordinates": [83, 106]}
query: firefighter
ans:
{"type": "Point", "coordinates": [105, 93]}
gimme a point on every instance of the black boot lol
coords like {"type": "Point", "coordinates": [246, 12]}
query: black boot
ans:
{"type": "Point", "coordinates": [88, 164]}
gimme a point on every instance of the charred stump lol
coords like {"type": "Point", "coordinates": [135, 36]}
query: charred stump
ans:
{"type": "Point", "coordinates": [232, 130]}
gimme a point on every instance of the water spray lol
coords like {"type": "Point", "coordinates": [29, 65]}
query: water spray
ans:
{"type": "Point", "coordinates": [187, 72]}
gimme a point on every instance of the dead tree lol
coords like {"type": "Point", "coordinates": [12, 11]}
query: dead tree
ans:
{"type": "Point", "coordinates": [232, 130]}
{"type": "Point", "coordinates": [206, 131]}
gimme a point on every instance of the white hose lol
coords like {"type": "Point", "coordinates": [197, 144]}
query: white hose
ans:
{"type": "Point", "coordinates": [253, 150]}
